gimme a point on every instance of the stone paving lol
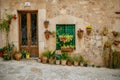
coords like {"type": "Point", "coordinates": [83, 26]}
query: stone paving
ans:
{"type": "Point", "coordinates": [32, 70]}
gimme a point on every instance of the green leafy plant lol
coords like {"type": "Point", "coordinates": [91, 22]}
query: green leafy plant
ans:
{"type": "Point", "coordinates": [5, 24]}
{"type": "Point", "coordinates": [76, 58]}
{"type": "Point", "coordinates": [64, 56]}
{"type": "Point", "coordinates": [24, 52]}
{"type": "Point", "coordinates": [81, 59]}
{"type": "Point", "coordinates": [46, 54]}
{"type": "Point", "coordinates": [70, 59]}
{"type": "Point", "coordinates": [58, 56]}
{"type": "Point", "coordinates": [8, 51]}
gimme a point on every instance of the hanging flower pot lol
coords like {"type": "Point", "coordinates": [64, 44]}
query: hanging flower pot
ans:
{"type": "Point", "coordinates": [46, 23]}
{"type": "Point", "coordinates": [116, 42]}
{"type": "Point", "coordinates": [115, 34]}
{"type": "Point", "coordinates": [89, 29]}
{"type": "Point", "coordinates": [47, 34]}
{"type": "Point", "coordinates": [80, 33]}
{"type": "Point", "coordinates": [14, 16]}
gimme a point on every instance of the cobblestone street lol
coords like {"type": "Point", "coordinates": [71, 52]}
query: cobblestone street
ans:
{"type": "Point", "coordinates": [32, 70]}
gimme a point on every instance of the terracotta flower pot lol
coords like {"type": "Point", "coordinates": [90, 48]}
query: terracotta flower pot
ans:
{"type": "Point", "coordinates": [47, 35]}
{"type": "Point", "coordinates": [69, 63]}
{"type": "Point", "coordinates": [67, 49]}
{"type": "Point", "coordinates": [51, 61]}
{"type": "Point", "coordinates": [76, 63]}
{"type": "Point", "coordinates": [18, 56]}
{"type": "Point", "coordinates": [88, 31]}
{"type": "Point", "coordinates": [44, 60]}
{"type": "Point", "coordinates": [63, 62]}
{"type": "Point", "coordinates": [115, 33]}
{"type": "Point", "coordinates": [81, 64]}
{"type": "Point", "coordinates": [80, 35]}
{"type": "Point", "coordinates": [46, 23]}
{"type": "Point", "coordinates": [57, 62]}
{"type": "Point", "coordinates": [116, 42]}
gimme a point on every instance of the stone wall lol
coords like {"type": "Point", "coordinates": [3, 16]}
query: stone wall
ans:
{"type": "Point", "coordinates": [98, 13]}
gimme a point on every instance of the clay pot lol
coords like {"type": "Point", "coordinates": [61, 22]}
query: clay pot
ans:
{"type": "Point", "coordinates": [44, 60]}
{"type": "Point", "coordinates": [51, 61]}
{"type": "Point", "coordinates": [57, 62]}
{"type": "Point", "coordinates": [47, 36]}
{"type": "Point", "coordinates": [46, 23]}
{"type": "Point", "coordinates": [116, 42]}
{"type": "Point", "coordinates": [80, 34]}
{"type": "Point", "coordinates": [67, 49]}
{"type": "Point", "coordinates": [76, 63]}
{"type": "Point", "coordinates": [115, 33]}
{"type": "Point", "coordinates": [69, 63]}
{"type": "Point", "coordinates": [18, 56]}
{"type": "Point", "coordinates": [63, 62]}
{"type": "Point", "coordinates": [88, 31]}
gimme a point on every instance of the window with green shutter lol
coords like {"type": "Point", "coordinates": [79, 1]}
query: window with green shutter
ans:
{"type": "Point", "coordinates": [65, 29]}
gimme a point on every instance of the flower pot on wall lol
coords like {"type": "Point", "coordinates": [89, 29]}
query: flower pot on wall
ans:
{"type": "Point", "coordinates": [46, 23]}
{"type": "Point", "coordinates": [47, 34]}
{"type": "Point", "coordinates": [116, 42]}
{"type": "Point", "coordinates": [80, 33]}
{"type": "Point", "coordinates": [88, 31]}
{"type": "Point", "coordinates": [115, 34]}
{"type": "Point", "coordinates": [67, 49]}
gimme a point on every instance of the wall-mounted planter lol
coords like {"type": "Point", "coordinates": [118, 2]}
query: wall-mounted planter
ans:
{"type": "Point", "coordinates": [80, 33]}
{"type": "Point", "coordinates": [67, 49]}
{"type": "Point", "coordinates": [47, 34]}
{"type": "Point", "coordinates": [115, 34]}
{"type": "Point", "coordinates": [46, 23]}
{"type": "Point", "coordinates": [116, 42]}
{"type": "Point", "coordinates": [88, 29]}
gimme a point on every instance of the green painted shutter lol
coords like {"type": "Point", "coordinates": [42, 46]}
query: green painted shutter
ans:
{"type": "Point", "coordinates": [64, 29]}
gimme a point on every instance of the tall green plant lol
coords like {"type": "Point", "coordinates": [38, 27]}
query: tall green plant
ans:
{"type": "Point", "coordinates": [5, 25]}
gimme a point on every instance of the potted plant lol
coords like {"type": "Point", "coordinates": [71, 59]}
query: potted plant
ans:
{"type": "Point", "coordinates": [80, 33]}
{"type": "Point", "coordinates": [1, 52]}
{"type": "Point", "coordinates": [45, 56]}
{"type": "Point", "coordinates": [81, 59]}
{"type": "Point", "coordinates": [47, 34]}
{"type": "Point", "coordinates": [52, 57]}
{"type": "Point", "coordinates": [65, 38]}
{"type": "Point", "coordinates": [116, 42]}
{"type": "Point", "coordinates": [70, 61]}
{"type": "Point", "coordinates": [64, 57]}
{"type": "Point", "coordinates": [89, 29]}
{"type": "Point", "coordinates": [86, 63]}
{"type": "Point", "coordinates": [58, 58]}
{"type": "Point", "coordinates": [46, 23]}
{"type": "Point", "coordinates": [76, 60]}
{"type": "Point", "coordinates": [18, 56]}
{"type": "Point", "coordinates": [27, 55]}
{"type": "Point", "coordinates": [8, 51]}
{"type": "Point", "coordinates": [115, 34]}
{"type": "Point", "coordinates": [23, 52]}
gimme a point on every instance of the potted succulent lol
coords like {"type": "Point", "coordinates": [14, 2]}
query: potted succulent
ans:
{"type": "Point", "coordinates": [68, 48]}
{"type": "Point", "coordinates": [47, 34]}
{"type": "Point", "coordinates": [45, 56]}
{"type": "Point", "coordinates": [58, 58]}
{"type": "Point", "coordinates": [76, 60]}
{"type": "Point", "coordinates": [64, 57]}
{"type": "Point", "coordinates": [18, 56]}
{"type": "Point", "coordinates": [46, 23]}
{"type": "Point", "coordinates": [52, 57]}
{"type": "Point", "coordinates": [70, 61]}
{"type": "Point", "coordinates": [80, 33]}
{"type": "Point", "coordinates": [81, 59]}
{"type": "Point", "coordinates": [89, 29]}
{"type": "Point", "coordinates": [115, 34]}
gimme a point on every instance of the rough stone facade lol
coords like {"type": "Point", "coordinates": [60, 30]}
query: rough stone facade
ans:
{"type": "Point", "coordinates": [98, 13]}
